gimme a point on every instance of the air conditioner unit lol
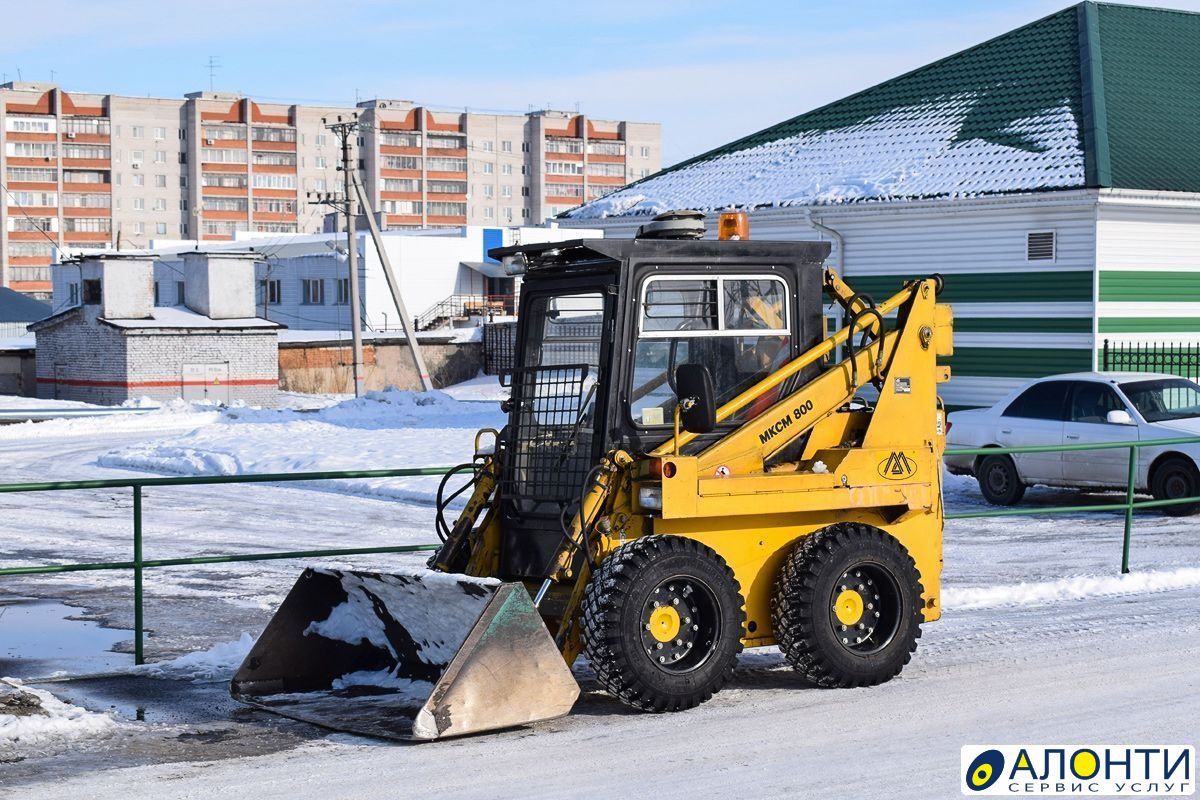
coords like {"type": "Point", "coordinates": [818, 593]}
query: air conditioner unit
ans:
{"type": "Point", "coordinates": [136, 165]}
{"type": "Point", "coordinates": [209, 141]}
{"type": "Point", "coordinates": [71, 135]}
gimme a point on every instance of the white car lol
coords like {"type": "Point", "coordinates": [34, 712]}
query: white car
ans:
{"type": "Point", "coordinates": [1079, 408]}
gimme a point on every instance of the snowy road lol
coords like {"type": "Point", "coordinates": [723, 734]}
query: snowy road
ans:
{"type": "Point", "coordinates": [1041, 642]}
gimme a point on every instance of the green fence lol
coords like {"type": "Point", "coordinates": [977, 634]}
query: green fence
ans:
{"type": "Point", "coordinates": [138, 564]}
{"type": "Point", "coordinates": [1128, 506]}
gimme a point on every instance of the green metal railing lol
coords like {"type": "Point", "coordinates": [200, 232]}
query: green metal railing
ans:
{"type": "Point", "coordinates": [1128, 506]}
{"type": "Point", "coordinates": [140, 564]}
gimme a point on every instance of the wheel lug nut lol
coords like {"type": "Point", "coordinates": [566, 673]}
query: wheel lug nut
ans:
{"type": "Point", "coordinates": [843, 587]}
{"type": "Point", "coordinates": [857, 574]}
{"type": "Point", "coordinates": [662, 659]}
{"type": "Point", "coordinates": [870, 606]}
{"type": "Point", "coordinates": [658, 646]}
{"type": "Point", "coordinates": [688, 645]}
{"type": "Point", "coordinates": [679, 642]}
{"type": "Point", "coordinates": [877, 613]}
{"type": "Point", "coordinates": [695, 627]}
{"type": "Point", "coordinates": [858, 640]}
{"type": "Point", "coordinates": [876, 597]}
{"type": "Point", "coordinates": [647, 626]}
{"type": "Point", "coordinates": [862, 588]}
{"type": "Point", "coordinates": [656, 604]}
{"type": "Point", "coordinates": [845, 641]}
{"type": "Point", "coordinates": [843, 627]}
{"type": "Point", "coordinates": [861, 626]}
{"type": "Point", "coordinates": [675, 602]}
{"type": "Point", "coordinates": [687, 620]}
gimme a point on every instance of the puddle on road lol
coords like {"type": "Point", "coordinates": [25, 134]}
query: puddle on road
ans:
{"type": "Point", "coordinates": [37, 641]}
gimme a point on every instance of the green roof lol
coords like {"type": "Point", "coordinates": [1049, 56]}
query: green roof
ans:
{"type": "Point", "coordinates": [1095, 95]}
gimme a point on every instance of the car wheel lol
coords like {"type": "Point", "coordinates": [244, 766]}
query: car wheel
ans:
{"type": "Point", "coordinates": [999, 481]}
{"type": "Point", "coordinates": [1175, 479]}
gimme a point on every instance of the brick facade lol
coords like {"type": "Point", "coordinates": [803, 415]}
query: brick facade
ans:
{"type": "Point", "coordinates": [82, 357]}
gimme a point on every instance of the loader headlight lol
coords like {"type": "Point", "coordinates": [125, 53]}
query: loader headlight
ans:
{"type": "Point", "coordinates": [650, 497]}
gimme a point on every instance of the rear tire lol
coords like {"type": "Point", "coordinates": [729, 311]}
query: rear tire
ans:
{"type": "Point", "coordinates": [999, 481]}
{"type": "Point", "coordinates": [847, 606]}
{"type": "Point", "coordinates": [662, 623]}
{"type": "Point", "coordinates": [1176, 478]}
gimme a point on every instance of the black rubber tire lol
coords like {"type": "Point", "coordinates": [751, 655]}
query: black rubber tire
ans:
{"type": "Point", "coordinates": [801, 610]}
{"type": "Point", "coordinates": [612, 623]}
{"type": "Point", "coordinates": [1176, 477]}
{"type": "Point", "coordinates": [999, 481]}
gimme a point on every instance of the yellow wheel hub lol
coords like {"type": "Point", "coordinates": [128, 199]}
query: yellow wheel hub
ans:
{"type": "Point", "coordinates": [848, 607]}
{"type": "Point", "coordinates": [664, 623]}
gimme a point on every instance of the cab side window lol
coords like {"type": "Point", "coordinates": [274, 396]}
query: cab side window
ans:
{"type": "Point", "coordinates": [737, 326]}
{"type": "Point", "coordinates": [1091, 402]}
{"type": "Point", "coordinates": [1045, 400]}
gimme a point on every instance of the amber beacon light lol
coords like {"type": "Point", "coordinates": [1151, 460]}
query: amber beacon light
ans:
{"type": "Point", "coordinates": [733, 225]}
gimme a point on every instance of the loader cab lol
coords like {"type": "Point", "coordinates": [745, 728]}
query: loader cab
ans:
{"type": "Point", "coordinates": [602, 328]}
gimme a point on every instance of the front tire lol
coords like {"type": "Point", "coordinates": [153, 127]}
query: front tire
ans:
{"type": "Point", "coordinates": [662, 623]}
{"type": "Point", "coordinates": [1175, 479]}
{"type": "Point", "coordinates": [847, 606]}
{"type": "Point", "coordinates": [999, 481]}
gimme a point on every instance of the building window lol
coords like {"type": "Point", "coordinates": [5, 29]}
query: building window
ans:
{"type": "Point", "coordinates": [489, 212]}
{"type": "Point", "coordinates": [488, 146]}
{"type": "Point", "coordinates": [73, 294]}
{"type": "Point", "coordinates": [312, 292]}
{"type": "Point", "coordinates": [160, 181]}
{"type": "Point", "coordinates": [139, 228]}
{"type": "Point", "coordinates": [447, 187]}
{"type": "Point", "coordinates": [275, 159]}
{"type": "Point", "coordinates": [91, 292]}
{"type": "Point", "coordinates": [321, 139]}
{"type": "Point", "coordinates": [160, 204]}
{"type": "Point", "coordinates": [564, 145]}
{"type": "Point", "coordinates": [343, 291]}
{"type": "Point", "coordinates": [506, 146]}
{"type": "Point", "coordinates": [506, 191]}
{"type": "Point", "coordinates": [138, 132]}
{"type": "Point", "coordinates": [273, 291]}
{"type": "Point", "coordinates": [178, 293]}
{"type": "Point", "coordinates": [508, 215]}
{"type": "Point", "coordinates": [392, 139]}
{"type": "Point", "coordinates": [274, 134]}
{"type": "Point", "coordinates": [446, 165]}
{"type": "Point", "coordinates": [139, 204]}
{"type": "Point", "coordinates": [139, 180]}
{"type": "Point", "coordinates": [321, 162]}
{"type": "Point", "coordinates": [161, 229]}
{"type": "Point", "coordinates": [488, 190]}
{"type": "Point", "coordinates": [487, 167]}
{"type": "Point", "coordinates": [160, 156]}
{"type": "Point", "coordinates": [401, 162]}
{"type": "Point", "coordinates": [644, 151]}
{"type": "Point", "coordinates": [524, 147]}
{"type": "Point", "coordinates": [524, 213]}
{"type": "Point", "coordinates": [524, 191]}
{"type": "Point", "coordinates": [506, 169]}
{"type": "Point", "coordinates": [273, 181]}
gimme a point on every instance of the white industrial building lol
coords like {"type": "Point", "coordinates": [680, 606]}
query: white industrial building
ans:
{"type": "Point", "coordinates": [445, 276]}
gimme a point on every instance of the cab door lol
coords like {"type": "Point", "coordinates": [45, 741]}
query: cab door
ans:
{"type": "Point", "coordinates": [1087, 422]}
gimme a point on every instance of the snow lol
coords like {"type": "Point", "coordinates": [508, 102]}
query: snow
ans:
{"type": "Point", "coordinates": [969, 598]}
{"type": "Point", "coordinates": [908, 152]}
{"type": "Point", "coordinates": [1040, 632]}
{"type": "Point", "coordinates": [217, 663]}
{"type": "Point", "coordinates": [435, 609]}
{"type": "Point", "coordinates": [50, 725]}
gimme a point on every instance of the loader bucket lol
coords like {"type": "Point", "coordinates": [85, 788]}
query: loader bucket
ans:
{"type": "Point", "coordinates": [422, 656]}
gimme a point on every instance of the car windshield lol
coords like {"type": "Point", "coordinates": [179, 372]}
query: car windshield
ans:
{"type": "Point", "coordinates": [1164, 399]}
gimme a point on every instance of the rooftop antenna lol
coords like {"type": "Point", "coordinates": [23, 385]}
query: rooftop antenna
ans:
{"type": "Point", "coordinates": [214, 63]}
{"type": "Point", "coordinates": [52, 76]}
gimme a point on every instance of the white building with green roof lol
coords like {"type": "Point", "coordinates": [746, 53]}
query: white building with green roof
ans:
{"type": "Point", "coordinates": [1051, 174]}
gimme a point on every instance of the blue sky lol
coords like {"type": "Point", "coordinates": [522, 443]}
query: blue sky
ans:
{"type": "Point", "coordinates": [709, 71]}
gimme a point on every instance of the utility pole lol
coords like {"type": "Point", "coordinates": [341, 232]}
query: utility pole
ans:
{"type": "Point", "coordinates": [344, 130]}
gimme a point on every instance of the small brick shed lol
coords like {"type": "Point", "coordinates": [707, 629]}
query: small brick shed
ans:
{"type": "Point", "coordinates": [117, 345]}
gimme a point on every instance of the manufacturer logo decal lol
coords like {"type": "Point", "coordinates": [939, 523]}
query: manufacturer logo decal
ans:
{"type": "Point", "coordinates": [897, 466]}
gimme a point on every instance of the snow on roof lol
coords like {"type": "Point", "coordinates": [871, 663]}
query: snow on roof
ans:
{"type": "Point", "coordinates": [183, 318]}
{"type": "Point", "coordinates": [1034, 109]}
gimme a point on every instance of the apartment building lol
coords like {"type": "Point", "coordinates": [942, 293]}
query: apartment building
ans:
{"type": "Point", "coordinates": [103, 171]}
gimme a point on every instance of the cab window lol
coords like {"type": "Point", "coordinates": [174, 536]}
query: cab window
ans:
{"type": "Point", "coordinates": [737, 326]}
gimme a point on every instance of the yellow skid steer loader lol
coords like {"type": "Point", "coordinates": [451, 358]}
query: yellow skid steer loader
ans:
{"type": "Point", "coordinates": [691, 466]}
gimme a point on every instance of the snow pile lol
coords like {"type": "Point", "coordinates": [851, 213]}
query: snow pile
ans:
{"type": "Point", "coordinates": [908, 152]}
{"type": "Point", "coordinates": [217, 663]}
{"type": "Point", "coordinates": [389, 429]}
{"type": "Point", "coordinates": [1035, 594]}
{"type": "Point", "coordinates": [34, 722]}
